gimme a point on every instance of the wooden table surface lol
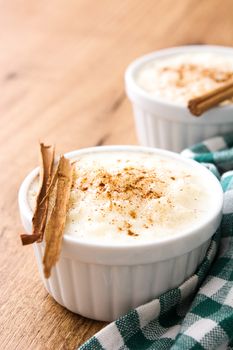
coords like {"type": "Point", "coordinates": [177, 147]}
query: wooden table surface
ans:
{"type": "Point", "coordinates": [61, 80]}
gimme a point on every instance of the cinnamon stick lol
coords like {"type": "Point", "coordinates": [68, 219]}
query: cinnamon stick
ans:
{"type": "Point", "coordinates": [41, 210]}
{"type": "Point", "coordinates": [199, 105]}
{"type": "Point", "coordinates": [56, 222]}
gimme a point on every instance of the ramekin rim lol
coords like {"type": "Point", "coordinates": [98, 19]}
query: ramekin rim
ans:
{"type": "Point", "coordinates": [138, 62]}
{"type": "Point", "coordinates": [24, 205]}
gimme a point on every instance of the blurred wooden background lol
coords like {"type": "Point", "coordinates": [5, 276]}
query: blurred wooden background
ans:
{"type": "Point", "coordinates": [61, 80]}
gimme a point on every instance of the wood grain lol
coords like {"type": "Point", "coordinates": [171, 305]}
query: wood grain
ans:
{"type": "Point", "coordinates": [61, 80]}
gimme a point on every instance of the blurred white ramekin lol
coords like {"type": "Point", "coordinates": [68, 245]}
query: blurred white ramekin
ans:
{"type": "Point", "coordinates": [103, 281]}
{"type": "Point", "coordinates": [166, 125]}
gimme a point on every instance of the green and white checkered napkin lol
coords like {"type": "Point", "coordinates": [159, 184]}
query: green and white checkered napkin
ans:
{"type": "Point", "coordinates": [199, 313]}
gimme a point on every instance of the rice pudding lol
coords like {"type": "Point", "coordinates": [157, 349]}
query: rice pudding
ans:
{"type": "Point", "coordinates": [181, 77]}
{"type": "Point", "coordinates": [124, 197]}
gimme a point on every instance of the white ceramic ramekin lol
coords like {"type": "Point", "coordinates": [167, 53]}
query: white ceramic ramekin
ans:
{"type": "Point", "coordinates": [103, 281]}
{"type": "Point", "coordinates": [169, 126]}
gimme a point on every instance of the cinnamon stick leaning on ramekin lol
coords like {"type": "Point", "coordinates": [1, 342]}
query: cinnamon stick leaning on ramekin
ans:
{"type": "Point", "coordinates": [56, 219]}
{"type": "Point", "coordinates": [52, 203]}
{"type": "Point", "coordinates": [199, 105]}
{"type": "Point", "coordinates": [41, 210]}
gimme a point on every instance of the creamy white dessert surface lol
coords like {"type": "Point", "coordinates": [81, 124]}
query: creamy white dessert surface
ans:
{"type": "Point", "coordinates": [122, 197]}
{"type": "Point", "coordinates": [179, 78]}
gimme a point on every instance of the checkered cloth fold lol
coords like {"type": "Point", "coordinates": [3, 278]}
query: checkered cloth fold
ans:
{"type": "Point", "coordinates": [199, 314]}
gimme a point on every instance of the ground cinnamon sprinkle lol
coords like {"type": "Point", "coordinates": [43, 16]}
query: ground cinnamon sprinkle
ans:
{"type": "Point", "coordinates": [133, 214]}
{"type": "Point", "coordinates": [122, 189]}
{"type": "Point", "coordinates": [131, 184]}
{"type": "Point", "coordinates": [183, 73]}
{"type": "Point", "coordinates": [131, 233]}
